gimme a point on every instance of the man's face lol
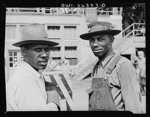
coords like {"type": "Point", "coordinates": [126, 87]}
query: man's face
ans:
{"type": "Point", "coordinates": [38, 56]}
{"type": "Point", "coordinates": [101, 44]}
{"type": "Point", "coordinates": [141, 55]}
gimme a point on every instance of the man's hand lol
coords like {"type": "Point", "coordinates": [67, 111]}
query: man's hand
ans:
{"type": "Point", "coordinates": [53, 106]}
{"type": "Point", "coordinates": [53, 97]}
{"type": "Point", "coordinates": [50, 86]}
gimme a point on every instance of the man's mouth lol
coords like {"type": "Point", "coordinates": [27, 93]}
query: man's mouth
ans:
{"type": "Point", "coordinates": [43, 62]}
{"type": "Point", "coordinates": [97, 50]}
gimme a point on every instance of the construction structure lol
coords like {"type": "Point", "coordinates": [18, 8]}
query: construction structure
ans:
{"type": "Point", "coordinates": [64, 25]}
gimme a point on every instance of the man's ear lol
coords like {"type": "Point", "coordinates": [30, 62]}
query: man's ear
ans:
{"type": "Point", "coordinates": [24, 51]}
{"type": "Point", "coordinates": [112, 39]}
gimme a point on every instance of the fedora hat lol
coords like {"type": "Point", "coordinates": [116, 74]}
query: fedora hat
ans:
{"type": "Point", "coordinates": [34, 34]}
{"type": "Point", "coordinates": [96, 28]}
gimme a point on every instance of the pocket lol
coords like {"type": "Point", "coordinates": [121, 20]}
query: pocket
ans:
{"type": "Point", "coordinates": [100, 97]}
{"type": "Point", "coordinates": [97, 99]}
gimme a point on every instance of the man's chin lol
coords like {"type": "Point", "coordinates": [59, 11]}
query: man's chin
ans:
{"type": "Point", "coordinates": [98, 54]}
{"type": "Point", "coordinates": [42, 67]}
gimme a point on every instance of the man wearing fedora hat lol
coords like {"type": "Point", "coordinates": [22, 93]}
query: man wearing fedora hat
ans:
{"type": "Point", "coordinates": [26, 88]}
{"type": "Point", "coordinates": [113, 85]}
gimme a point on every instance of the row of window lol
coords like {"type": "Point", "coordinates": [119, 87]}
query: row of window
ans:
{"type": "Point", "coordinates": [69, 48]}
{"type": "Point", "coordinates": [69, 52]}
{"type": "Point", "coordinates": [61, 10]}
{"type": "Point", "coordinates": [53, 32]}
{"type": "Point", "coordinates": [14, 57]}
{"type": "Point", "coordinates": [69, 32]}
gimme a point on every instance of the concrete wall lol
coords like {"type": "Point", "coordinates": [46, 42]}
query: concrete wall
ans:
{"type": "Point", "coordinates": [54, 19]}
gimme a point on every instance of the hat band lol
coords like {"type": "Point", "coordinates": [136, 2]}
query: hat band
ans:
{"type": "Point", "coordinates": [99, 28]}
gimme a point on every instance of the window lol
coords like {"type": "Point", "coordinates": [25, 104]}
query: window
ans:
{"type": "Point", "coordinates": [10, 32]}
{"type": "Point", "coordinates": [72, 61]}
{"type": "Point", "coordinates": [71, 51]}
{"type": "Point", "coordinates": [14, 57]}
{"type": "Point", "coordinates": [71, 48]}
{"type": "Point", "coordinates": [55, 49]}
{"type": "Point", "coordinates": [53, 31]}
{"type": "Point", "coordinates": [56, 59]}
{"type": "Point", "coordinates": [21, 26]}
{"type": "Point", "coordinates": [10, 53]}
{"type": "Point", "coordinates": [70, 32]}
{"type": "Point", "coordinates": [53, 27]}
{"type": "Point", "coordinates": [11, 64]}
{"type": "Point", "coordinates": [55, 52]}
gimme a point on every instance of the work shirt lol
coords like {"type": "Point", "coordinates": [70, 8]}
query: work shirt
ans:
{"type": "Point", "coordinates": [25, 91]}
{"type": "Point", "coordinates": [124, 91]}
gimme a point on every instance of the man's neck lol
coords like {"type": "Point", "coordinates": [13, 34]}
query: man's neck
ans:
{"type": "Point", "coordinates": [105, 55]}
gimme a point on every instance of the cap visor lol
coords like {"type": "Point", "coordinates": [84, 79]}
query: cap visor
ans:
{"type": "Point", "coordinates": [49, 43]}
{"type": "Point", "coordinates": [86, 36]}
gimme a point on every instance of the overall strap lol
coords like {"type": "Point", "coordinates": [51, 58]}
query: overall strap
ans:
{"type": "Point", "coordinates": [112, 64]}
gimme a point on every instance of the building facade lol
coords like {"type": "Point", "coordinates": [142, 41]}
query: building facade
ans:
{"type": "Point", "coordinates": [63, 25]}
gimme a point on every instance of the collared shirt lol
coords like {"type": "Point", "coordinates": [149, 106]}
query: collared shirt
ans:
{"type": "Point", "coordinates": [100, 66]}
{"type": "Point", "coordinates": [122, 81]}
{"type": "Point", "coordinates": [25, 91]}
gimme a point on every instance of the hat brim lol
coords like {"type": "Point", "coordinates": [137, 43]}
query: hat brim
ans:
{"type": "Point", "coordinates": [28, 42]}
{"type": "Point", "coordinates": [86, 36]}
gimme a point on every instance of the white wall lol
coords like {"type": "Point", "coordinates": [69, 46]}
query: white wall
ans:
{"type": "Point", "coordinates": [54, 19]}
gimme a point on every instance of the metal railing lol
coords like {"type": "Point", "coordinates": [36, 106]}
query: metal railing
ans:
{"type": "Point", "coordinates": [107, 13]}
{"type": "Point", "coordinates": [113, 11]}
{"type": "Point", "coordinates": [135, 29]}
{"type": "Point", "coordinates": [23, 10]}
{"type": "Point", "coordinates": [61, 11]}
{"type": "Point", "coordinates": [56, 11]}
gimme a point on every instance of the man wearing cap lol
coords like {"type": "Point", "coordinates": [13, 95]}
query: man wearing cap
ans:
{"type": "Point", "coordinates": [113, 77]}
{"type": "Point", "coordinates": [26, 89]}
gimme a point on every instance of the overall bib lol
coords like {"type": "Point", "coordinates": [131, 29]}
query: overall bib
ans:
{"type": "Point", "coordinates": [100, 98]}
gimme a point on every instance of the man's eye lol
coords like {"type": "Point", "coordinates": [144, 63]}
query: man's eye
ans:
{"type": "Point", "coordinates": [47, 49]}
{"type": "Point", "coordinates": [38, 50]}
{"type": "Point", "coordinates": [100, 39]}
{"type": "Point", "coordinates": [91, 40]}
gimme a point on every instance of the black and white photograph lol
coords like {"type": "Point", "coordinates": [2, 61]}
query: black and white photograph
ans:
{"type": "Point", "coordinates": [76, 58]}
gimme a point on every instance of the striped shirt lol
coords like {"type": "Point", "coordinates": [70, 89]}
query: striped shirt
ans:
{"type": "Point", "coordinates": [124, 91]}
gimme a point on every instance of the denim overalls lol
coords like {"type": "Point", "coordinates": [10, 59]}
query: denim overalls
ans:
{"type": "Point", "coordinates": [100, 97]}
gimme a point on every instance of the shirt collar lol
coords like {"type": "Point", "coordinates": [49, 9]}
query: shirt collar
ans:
{"type": "Point", "coordinates": [31, 69]}
{"type": "Point", "coordinates": [106, 60]}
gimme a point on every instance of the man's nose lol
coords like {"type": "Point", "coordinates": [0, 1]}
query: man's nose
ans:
{"type": "Point", "coordinates": [95, 43]}
{"type": "Point", "coordinates": [44, 53]}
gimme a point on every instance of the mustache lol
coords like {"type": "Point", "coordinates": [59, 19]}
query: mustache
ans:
{"type": "Point", "coordinates": [97, 48]}
{"type": "Point", "coordinates": [43, 59]}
